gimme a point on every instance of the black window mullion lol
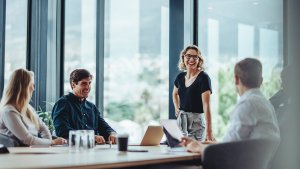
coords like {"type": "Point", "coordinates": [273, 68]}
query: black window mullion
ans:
{"type": "Point", "coordinates": [2, 43]}
{"type": "Point", "coordinates": [176, 43]}
{"type": "Point", "coordinates": [28, 36]}
{"type": "Point", "coordinates": [100, 54]}
{"type": "Point", "coordinates": [195, 22]}
{"type": "Point", "coordinates": [61, 45]}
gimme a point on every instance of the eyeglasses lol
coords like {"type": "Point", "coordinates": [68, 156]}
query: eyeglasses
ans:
{"type": "Point", "coordinates": [189, 57]}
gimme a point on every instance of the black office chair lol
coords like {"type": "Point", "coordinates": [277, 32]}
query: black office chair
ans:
{"type": "Point", "coordinates": [9, 141]}
{"type": "Point", "coordinates": [248, 154]}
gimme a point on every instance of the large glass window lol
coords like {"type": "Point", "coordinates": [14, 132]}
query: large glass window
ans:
{"type": "Point", "coordinates": [230, 31]}
{"type": "Point", "coordinates": [136, 64]}
{"type": "Point", "coordinates": [80, 40]}
{"type": "Point", "coordinates": [15, 36]}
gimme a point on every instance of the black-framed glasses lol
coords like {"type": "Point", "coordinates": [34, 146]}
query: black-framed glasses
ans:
{"type": "Point", "coordinates": [189, 57]}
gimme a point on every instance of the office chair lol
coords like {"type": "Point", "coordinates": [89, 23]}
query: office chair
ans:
{"type": "Point", "coordinates": [248, 154]}
{"type": "Point", "coordinates": [9, 141]}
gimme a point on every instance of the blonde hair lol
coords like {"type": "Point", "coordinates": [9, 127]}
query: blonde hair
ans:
{"type": "Point", "coordinates": [17, 93]}
{"type": "Point", "coordinates": [181, 64]}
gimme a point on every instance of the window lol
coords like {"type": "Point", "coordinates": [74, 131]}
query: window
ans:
{"type": "Point", "coordinates": [233, 30]}
{"type": "Point", "coordinates": [136, 64]}
{"type": "Point", "coordinates": [15, 36]}
{"type": "Point", "coordinates": [80, 40]}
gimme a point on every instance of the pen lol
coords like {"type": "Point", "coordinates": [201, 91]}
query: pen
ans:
{"type": "Point", "coordinates": [109, 144]}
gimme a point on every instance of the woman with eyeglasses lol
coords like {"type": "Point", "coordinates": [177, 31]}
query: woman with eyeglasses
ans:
{"type": "Point", "coordinates": [18, 119]}
{"type": "Point", "coordinates": [191, 96]}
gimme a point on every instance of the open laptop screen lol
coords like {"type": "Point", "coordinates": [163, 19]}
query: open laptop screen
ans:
{"type": "Point", "coordinates": [152, 137]}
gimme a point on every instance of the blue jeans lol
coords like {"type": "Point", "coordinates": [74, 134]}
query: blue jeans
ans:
{"type": "Point", "coordinates": [192, 124]}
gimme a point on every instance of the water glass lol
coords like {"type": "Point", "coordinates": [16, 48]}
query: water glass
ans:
{"type": "Point", "coordinates": [73, 139]}
{"type": "Point", "coordinates": [81, 140]}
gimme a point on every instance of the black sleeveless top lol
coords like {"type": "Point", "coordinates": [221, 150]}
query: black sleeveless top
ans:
{"type": "Point", "coordinates": [190, 97]}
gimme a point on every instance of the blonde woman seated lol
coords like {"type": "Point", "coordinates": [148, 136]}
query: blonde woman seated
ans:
{"type": "Point", "coordinates": [18, 119]}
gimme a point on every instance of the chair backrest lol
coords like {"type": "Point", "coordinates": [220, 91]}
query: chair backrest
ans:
{"type": "Point", "coordinates": [248, 154]}
{"type": "Point", "coordinates": [9, 141]}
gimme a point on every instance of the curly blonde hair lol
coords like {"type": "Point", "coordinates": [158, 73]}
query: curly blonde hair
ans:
{"type": "Point", "coordinates": [181, 64]}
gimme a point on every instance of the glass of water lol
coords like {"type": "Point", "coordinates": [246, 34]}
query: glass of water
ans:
{"type": "Point", "coordinates": [81, 140]}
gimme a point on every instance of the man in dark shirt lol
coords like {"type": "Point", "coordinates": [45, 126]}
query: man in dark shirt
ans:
{"type": "Point", "coordinates": [282, 99]}
{"type": "Point", "coordinates": [74, 112]}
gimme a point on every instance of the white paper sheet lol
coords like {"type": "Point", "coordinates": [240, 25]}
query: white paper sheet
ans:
{"type": "Point", "coordinates": [172, 127]}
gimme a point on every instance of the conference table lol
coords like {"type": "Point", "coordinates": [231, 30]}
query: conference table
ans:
{"type": "Point", "coordinates": [102, 156]}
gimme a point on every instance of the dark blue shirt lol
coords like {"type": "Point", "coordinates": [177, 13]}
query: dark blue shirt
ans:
{"type": "Point", "coordinates": [70, 113]}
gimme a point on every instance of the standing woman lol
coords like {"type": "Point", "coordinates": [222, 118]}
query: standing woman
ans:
{"type": "Point", "coordinates": [18, 119]}
{"type": "Point", "coordinates": [191, 96]}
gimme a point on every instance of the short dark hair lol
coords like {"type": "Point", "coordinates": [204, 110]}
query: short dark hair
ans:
{"type": "Point", "coordinates": [249, 71]}
{"type": "Point", "coordinates": [79, 74]}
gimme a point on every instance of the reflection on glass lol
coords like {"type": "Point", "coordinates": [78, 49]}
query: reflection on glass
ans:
{"type": "Point", "coordinates": [230, 31]}
{"type": "Point", "coordinates": [245, 41]}
{"type": "Point", "coordinates": [80, 40]}
{"type": "Point", "coordinates": [15, 36]}
{"type": "Point", "coordinates": [136, 64]}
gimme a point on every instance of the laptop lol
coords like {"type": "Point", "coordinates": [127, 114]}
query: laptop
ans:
{"type": "Point", "coordinates": [172, 132]}
{"type": "Point", "coordinates": [152, 136]}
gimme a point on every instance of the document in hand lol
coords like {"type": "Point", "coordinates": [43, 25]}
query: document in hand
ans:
{"type": "Point", "coordinates": [172, 132]}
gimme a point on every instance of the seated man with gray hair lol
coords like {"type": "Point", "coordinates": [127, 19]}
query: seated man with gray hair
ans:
{"type": "Point", "coordinates": [253, 117]}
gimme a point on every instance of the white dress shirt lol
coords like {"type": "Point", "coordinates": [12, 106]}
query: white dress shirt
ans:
{"type": "Point", "coordinates": [17, 125]}
{"type": "Point", "coordinates": [252, 118]}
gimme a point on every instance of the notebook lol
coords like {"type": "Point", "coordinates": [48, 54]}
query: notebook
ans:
{"type": "Point", "coordinates": [152, 136]}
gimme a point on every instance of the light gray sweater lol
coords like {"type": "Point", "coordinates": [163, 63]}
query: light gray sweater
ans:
{"type": "Point", "coordinates": [17, 125]}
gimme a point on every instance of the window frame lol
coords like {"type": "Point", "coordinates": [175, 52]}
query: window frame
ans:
{"type": "Point", "coordinates": [2, 43]}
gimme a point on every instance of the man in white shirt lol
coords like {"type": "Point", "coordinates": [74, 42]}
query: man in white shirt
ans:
{"type": "Point", "coordinates": [253, 117]}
